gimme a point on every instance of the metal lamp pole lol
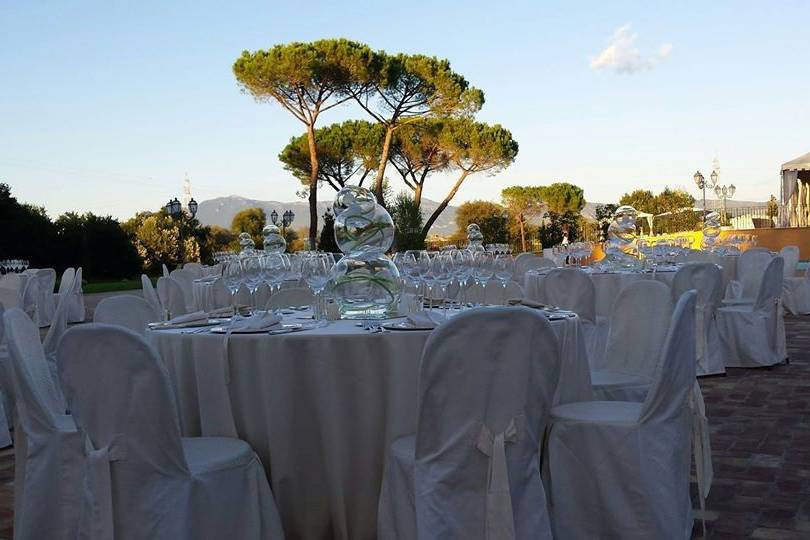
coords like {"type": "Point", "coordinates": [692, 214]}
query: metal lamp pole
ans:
{"type": "Point", "coordinates": [175, 209]}
{"type": "Point", "coordinates": [725, 193]}
{"type": "Point", "coordinates": [702, 184]}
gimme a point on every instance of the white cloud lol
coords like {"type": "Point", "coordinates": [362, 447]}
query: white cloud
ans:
{"type": "Point", "coordinates": [622, 56]}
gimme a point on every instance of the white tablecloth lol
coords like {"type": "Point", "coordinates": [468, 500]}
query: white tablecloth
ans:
{"type": "Point", "coordinates": [608, 286]}
{"type": "Point", "coordinates": [321, 408]}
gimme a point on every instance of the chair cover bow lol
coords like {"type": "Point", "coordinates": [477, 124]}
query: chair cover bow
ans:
{"type": "Point", "coordinates": [702, 447]}
{"type": "Point", "coordinates": [99, 488]}
{"type": "Point", "coordinates": [499, 518]}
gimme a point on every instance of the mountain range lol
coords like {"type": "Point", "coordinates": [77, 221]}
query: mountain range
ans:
{"type": "Point", "coordinates": [221, 210]}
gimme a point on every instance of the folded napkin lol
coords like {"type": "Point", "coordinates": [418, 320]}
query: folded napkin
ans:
{"type": "Point", "coordinates": [228, 311]}
{"type": "Point", "coordinates": [426, 320]}
{"type": "Point", "coordinates": [255, 323]}
{"type": "Point", "coordinates": [526, 302]}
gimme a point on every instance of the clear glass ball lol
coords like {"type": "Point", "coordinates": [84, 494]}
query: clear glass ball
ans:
{"type": "Point", "coordinates": [366, 285]}
{"type": "Point", "coordinates": [363, 226]}
{"type": "Point", "coordinates": [353, 195]}
{"type": "Point", "coordinates": [274, 242]}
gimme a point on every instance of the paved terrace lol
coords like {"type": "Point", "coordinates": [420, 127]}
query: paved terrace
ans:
{"type": "Point", "coordinates": [760, 432]}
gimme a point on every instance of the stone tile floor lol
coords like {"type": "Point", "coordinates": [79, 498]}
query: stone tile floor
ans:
{"type": "Point", "coordinates": [760, 432]}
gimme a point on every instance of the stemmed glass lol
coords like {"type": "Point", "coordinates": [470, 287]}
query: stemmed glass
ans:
{"type": "Point", "coordinates": [316, 269]}
{"type": "Point", "coordinates": [441, 272]}
{"type": "Point", "coordinates": [232, 277]}
{"type": "Point", "coordinates": [462, 270]}
{"type": "Point", "coordinates": [504, 269]}
{"type": "Point", "coordinates": [275, 268]}
{"type": "Point", "coordinates": [483, 268]}
{"type": "Point", "coordinates": [252, 271]}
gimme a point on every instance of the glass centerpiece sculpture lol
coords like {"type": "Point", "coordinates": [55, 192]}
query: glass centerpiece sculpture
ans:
{"type": "Point", "coordinates": [365, 282]}
{"type": "Point", "coordinates": [711, 230]}
{"type": "Point", "coordinates": [621, 237]}
{"type": "Point", "coordinates": [247, 246]}
{"type": "Point", "coordinates": [475, 238]}
{"type": "Point", "coordinates": [274, 242]}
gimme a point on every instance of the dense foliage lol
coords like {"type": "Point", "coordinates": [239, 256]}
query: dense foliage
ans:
{"type": "Point", "coordinates": [408, 220]}
{"type": "Point", "coordinates": [491, 217]}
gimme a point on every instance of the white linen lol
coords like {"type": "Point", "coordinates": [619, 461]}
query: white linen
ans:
{"type": "Point", "coordinates": [750, 268]}
{"type": "Point", "coordinates": [165, 487]}
{"type": "Point", "coordinates": [707, 280]}
{"type": "Point", "coordinates": [796, 294]}
{"type": "Point", "coordinates": [10, 298]}
{"type": "Point", "coordinates": [607, 285]}
{"type": "Point", "coordinates": [211, 293]}
{"type": "Point", "coordinates": [75, 310]}
{"type": "Point", "coordinates": [195, 268]}
{"type": "Point", "coordinates": [426, 320]}
{"type": "Point", "coordinates": [486, 383]}
{"type": "Point", "coordinates": [621, 469]}
{"type": "Point", "coordinates": [754, 334]}
{"type": "Point", "coordinates": [635, 340]}
{"type": "Point", "coordinates": [493, 294]}
{"type": "Point", "coordinates": [572, 288]}
{"type": "Point", "coordinates": [48, 448]}
{"type": "Point", "coordinates": [529, 261]}
{"type": "Point", "coordinates": [185, 278]}
{"type": "Point", "coordinates": [171, 296]}
{"type": "Point", "coordinates": [126, 310]}
{"type": "Point", "coordinates": [346, 395]}
{"type": "Point", "coordinates": [61, 318]}
{"type": "Point", "coordinates": [150, 295]}
{"type": "Point", "coordinates": [255, 323]}
{"type": "Point", "coordinates": [45, 307]}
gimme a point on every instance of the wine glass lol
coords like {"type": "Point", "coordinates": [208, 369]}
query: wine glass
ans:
{"type": "Point", "coordinates": [275, 267]}
{"type": "Point", "coordinates": [462, 270]}
{"type": "Point", "coordinates": [441, 272]}
{"type": "Point", "coordinates": [504, 269]}
{"type": "Point", "coordinates": [483, 268]}
{"type": "Point", "coordinates": [316, 270]}
{"type": "Point", "coordinates": [232, 277]}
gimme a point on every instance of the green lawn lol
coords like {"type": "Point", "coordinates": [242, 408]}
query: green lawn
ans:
{"type": "Point", "coordinates": [112, 286]}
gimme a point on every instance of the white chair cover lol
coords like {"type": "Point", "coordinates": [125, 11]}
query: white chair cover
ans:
{"type": "Point", "coordinates": [30, 296]}
{"type": "Point", "coordinates": [10, 298]}
{"type": "Point", "coordinates": [185, 278]}
{"type": "Point", "coordinates": [195, 268]}
{"type": "Point", "coordinates": [754, 335]}
{"type": "Point", "coordinates": [6, 386]}
{"type": "Point", "coordinates": [486, 383]}
{"type": "Point", "coordinates": [262, 295]}
{"type": "Point", "coordinates": [707, 280]}
{"type": "Point", "coordinates": [165, 270]}
{"type": "Point", "coordinates": [60, 319]}
{"type": "Point", "coordinates": [638, 328]}
{"type": "Point", "coordinates": [46, 281]}
{"type": "Point", "coordinates": [171, 296]}
{"type": "Point", "coordinates": [572, 288]}
{"type": "Point", "coordinates": [243, 296]}
{"type": "Point", "coordinates": [66, 282]}
{"type": "Point", "coordinates": [529, 261]}
{"type": "Point", "coordinates": [750, 268]}
{"type": "Point", "coordinates": [143, 480]}
{"type": "Point", "coordinates": [621, 469]}
{"type": "Point", "coordinates": [294, 297]}
{"type": "Point", "coordinates": [494, 293]}
{"type": "Point", "coordinates": [47, 449]}
{"type": "Point", "coordinates": [150, 294]}
{"type": "Point", "coordinates": [126, 310]}
{"type": "Point", "coordinates": [76, 312]}
{"type": "Point", "coordinates": [796, 294]}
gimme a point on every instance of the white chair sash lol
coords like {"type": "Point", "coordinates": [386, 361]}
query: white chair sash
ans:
{"type": "Point", "coordinates": [500, 524]}
{"type": "Point", "coordinates": [100, 484]}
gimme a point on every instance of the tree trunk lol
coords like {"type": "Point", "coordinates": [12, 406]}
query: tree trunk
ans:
{"type": "Point", "coordinates": [378, 182]}
{"type": "Point", "coordinates": [417, 195]}
{"type": "Point", "coordinates": [432, 219]}
{"type": "Point", "coordinates": [313, 189]}
{"type": "Point", "coordinates": [522, 233]}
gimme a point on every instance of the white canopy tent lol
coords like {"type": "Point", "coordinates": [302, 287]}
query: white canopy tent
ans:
{"type": "Point", "coordinates": [796, 191]}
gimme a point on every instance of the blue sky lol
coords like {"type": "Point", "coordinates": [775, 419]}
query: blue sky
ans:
{"type": "Point", "coordinates": [106, 105]}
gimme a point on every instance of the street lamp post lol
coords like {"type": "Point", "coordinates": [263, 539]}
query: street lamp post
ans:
{"type": "Point", "coordinates": [702, 184]}
{"type": "Point", "coordinates": [286, 219]}
{"type": "Point", "coordinates": [175, 210]}
{"type": "Point", "coordinates": [725, 193]}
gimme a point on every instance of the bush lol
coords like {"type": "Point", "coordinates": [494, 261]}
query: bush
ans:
{"type": "Point", "coordinates": [408, 222]}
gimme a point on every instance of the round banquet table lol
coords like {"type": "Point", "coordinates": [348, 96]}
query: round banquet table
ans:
{"type": "Point", "coordinates": [320, 407]}
{"type": "Point", "coordinates": [608, 285]}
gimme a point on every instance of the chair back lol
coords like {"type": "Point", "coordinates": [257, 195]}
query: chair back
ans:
{"type": "Point", "coordinates": [529, 261]}
{"type": "Point", "coordinates": [770, 287]}
{"type": "Point", "coordinates": [10, 298]}
{"type": "Point", "coordinates": [498, 295]}
{"type": "Point", "coordinates": [195, 268]}
{"type": "Point", "coordinates": [121, 397]}
{"type": "Point", "coordinates": [571, 288]}
{"type": "Point", "coordinates": [126, 310]}
{"type": "Point", "coordinates": [638, 328]}
{"type": "Point", "coordinates": [486, 383]}
{"type": "Point", "coordinates": [293, 297]}
{"type": "Point", "coordinates": [61, 317]}
{"type": "Point", "coordinates": [66, 283]}
{"type": "Point", "coordinates": [186, 280]}
{"type": "Point", "coordinates": [171, 296]}
{"type": "Point", "coordinates": [675, 371]}
{"type": "Point", "coordinates": [791, 256]}
{"type": "Point", "coordinates": [39, 399]}
{"type": "Point", "coordinates": [705, 278]}
{"type": "Point", "coordinates": [750, 267]}
{"type": "Point", "coordinates": [150, 294]}
{"type": "Point", "coordinates": [165, 270]}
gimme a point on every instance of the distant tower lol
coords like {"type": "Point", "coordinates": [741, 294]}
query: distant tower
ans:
{"type": "Point", "coordinates": [186, 191]}
{"type": "Point", "coordinates": [716, 164]}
